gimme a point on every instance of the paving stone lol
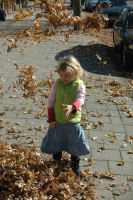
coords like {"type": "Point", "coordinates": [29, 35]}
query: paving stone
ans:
{"type": "Point", "coordinates": [113, 155]}
{"type": "Point", "coordinates": [130, 183]}
{"type": "Point", "coordinates": [104, 194]}
{"type": "Point", "coordinates": [116, 120]}
{"type": "Point", "coordinates": [102, 183]}
{"type": "Point", "coordinates": [112, 106]}
{"type": "Point", "coordinates": [127, 121]}
{"type": "Point", "coordinates": [113, 128]}
{"type": "Point", "coordinates": [126, 156]}
{"type": "Point", "coordinates": [115, 168]}
{"type": "Point", "coordinates": [114, 113]}
{"type": "Point", "coordinates": [123, 114]}
{"type": "Point", "coordinates": [129, 129]}
{"type": "Point", "coordinates": [45, 55]}
{"type": "Point", "coordinates": [101, 166]}
{"type": "Point", "coordinates": [126, 196]}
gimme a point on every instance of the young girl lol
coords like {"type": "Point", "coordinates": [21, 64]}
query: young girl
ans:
{"type": "Point", "coordinates": [64, 114]}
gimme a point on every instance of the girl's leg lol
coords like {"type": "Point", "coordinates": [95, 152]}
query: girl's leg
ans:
{"type": "Point", "coordinates": [75, 164]}
{"type": "Point", "coordinates": [57, 156]}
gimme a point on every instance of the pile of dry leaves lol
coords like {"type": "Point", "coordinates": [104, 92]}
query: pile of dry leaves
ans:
{"type": "Point", "coordinates": [26, 174]}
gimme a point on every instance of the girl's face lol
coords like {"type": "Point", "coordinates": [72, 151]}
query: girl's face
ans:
{"type": "Point", "coordinates": [66, 77]}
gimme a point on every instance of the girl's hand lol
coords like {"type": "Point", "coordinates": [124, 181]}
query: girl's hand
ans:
{"type": "Point", "coordinates": [53, 124]}
{"type": "Point", "coordinates": [68, 109]}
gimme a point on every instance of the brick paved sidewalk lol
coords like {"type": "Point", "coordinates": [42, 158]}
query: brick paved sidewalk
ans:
{"type": "Point", "coordinates": [107, 142]}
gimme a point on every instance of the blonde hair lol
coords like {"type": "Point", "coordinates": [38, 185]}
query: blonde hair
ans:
{"type": "Point", "coordinates": [70, 64]}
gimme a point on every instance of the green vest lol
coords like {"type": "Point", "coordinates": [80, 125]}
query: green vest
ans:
{"type": "Point", "coordinates": [66, 94]}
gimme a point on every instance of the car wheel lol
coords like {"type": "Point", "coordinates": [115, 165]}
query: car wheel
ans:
{"type": "Point", "coordinates": [2, 15]}
{"type": "Point", "coordinates": [125, 63]}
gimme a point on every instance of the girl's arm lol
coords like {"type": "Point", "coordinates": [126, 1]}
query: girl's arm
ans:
{"type": "Point", "coordinates": [80, 98]}
{"type": "Point", "coordinates": [51, 101]}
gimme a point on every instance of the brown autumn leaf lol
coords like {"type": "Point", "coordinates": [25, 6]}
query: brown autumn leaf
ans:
{"type": "Point", "coordinates": [2, 126]}
{"type": "Point", "coordinates": [40, 128]}
{"type": "Point", "coordinates": [88, 126]}
{"type": "Point", "coordinates": [91, 162]}
{"type": "Point", "coordinates": [107, 174]}
{"type": "Point", "coordinates": [13, 45]}
{"type": "Point", "coordinates": [130, 113]}
{"type": "Point", "coordinates": [21, 51]}
{"type": "Point", "coordinates": [130, 152]}
{"type": "Point", "coordinates": [113, 141]}
{"type": "Point", "coordinates": [2, 113]}
{"type": "Point", "coordinates": [97, 115]}
{"type": "Point", "coordinates": [103, 147]}
{"type": "Point", "coordinates": [18, 123]}
{"type": "Point", "coordinates": [16, 65]}
{"type": "Point", "coordinates": [51, 75]}
{"type": "Point", "coordinates": [124, 190]}
{"type": "Point", "coordinates": [130, 179]}
{"type": "Point", "coordinates": [1, 119]}
{"type": "Point", "coordinates": [130, 81]}
{"type": "Point", "coordinates": [28, 112]}
{"type": "Point", "coordinates": [67, 36]}
{"type": "Point", "coordinates": [127, 139]}
{"type": "Point", "coordinates": [117, 193]}
{"type": "Point", "coordinates": [94, 138]}
{"type": "Point", "coordinates": [12, 130]}
{"type": "Point", "coordinates": [123, 145]}
{"type": "Point", "coordinates": [101, 123]}
{"type": "Point", "coordinates": [122, 163]}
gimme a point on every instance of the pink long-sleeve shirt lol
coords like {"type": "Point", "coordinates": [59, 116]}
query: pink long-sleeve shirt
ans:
{"type": "Point", "coordinates": [79, 100]}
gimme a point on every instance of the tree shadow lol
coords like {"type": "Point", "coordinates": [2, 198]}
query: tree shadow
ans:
{"type": "Point", "coordinates": [96, 58]}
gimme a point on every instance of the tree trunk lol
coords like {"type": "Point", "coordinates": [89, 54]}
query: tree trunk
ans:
{"type": "Point", "coordinates": [77, 11]}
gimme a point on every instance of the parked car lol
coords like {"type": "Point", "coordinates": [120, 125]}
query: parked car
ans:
{"type": "Point", "coordinates": [114, 10]}
{"type": "Point", "coordinates": [123, 36]}
{"type": "Point", "coordinates": [91, 5]}
{"type": "Point", "coordinates": [105, 3]}
{"type": "Point", "coordinates": [118, 2]}
{"type": "Point", "coordinates": [2, 15]}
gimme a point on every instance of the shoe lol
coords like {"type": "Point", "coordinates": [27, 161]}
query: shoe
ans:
{"type": "Point", "coordinates": [76, 171]}
{"type": "Point", "coordinates": [75, 165]}
{"type": "Point", "coordinates": [57, 156]}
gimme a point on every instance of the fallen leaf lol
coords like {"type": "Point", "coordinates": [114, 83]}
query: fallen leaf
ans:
{"type": "Point", "coordinates": [12, 130]}
{"type": "Point", "coordinates": [94, 138]}
{"type": "Point", "coordinates": [2, 113]}
{"type": "Point", "coordinates": [130, 179]}
{"type": "Point", "coordinates": [122, 163]}
{"type": "Point", "coordinates": [123, 145]}
{"type": "Point", "coordinates": [40, 128]}
{"type": "Point", "coordinates": [116, 193]}
{"type": "Point", "coordinates": [130, 152]}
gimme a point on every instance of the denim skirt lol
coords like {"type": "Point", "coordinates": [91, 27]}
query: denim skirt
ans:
{"type": "Point", "coordinates": [66, 137]}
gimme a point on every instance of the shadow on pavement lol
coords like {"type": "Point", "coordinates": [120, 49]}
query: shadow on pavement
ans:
{"type": "Point", "coordinates": [96, 58]}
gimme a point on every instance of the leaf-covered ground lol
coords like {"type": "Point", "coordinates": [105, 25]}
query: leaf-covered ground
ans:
{"type": "Point", "coordinates": [26, 174]}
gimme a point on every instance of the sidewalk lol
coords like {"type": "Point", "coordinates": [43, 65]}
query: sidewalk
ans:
{"type": "Point", "coordinates": [108, 127]}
